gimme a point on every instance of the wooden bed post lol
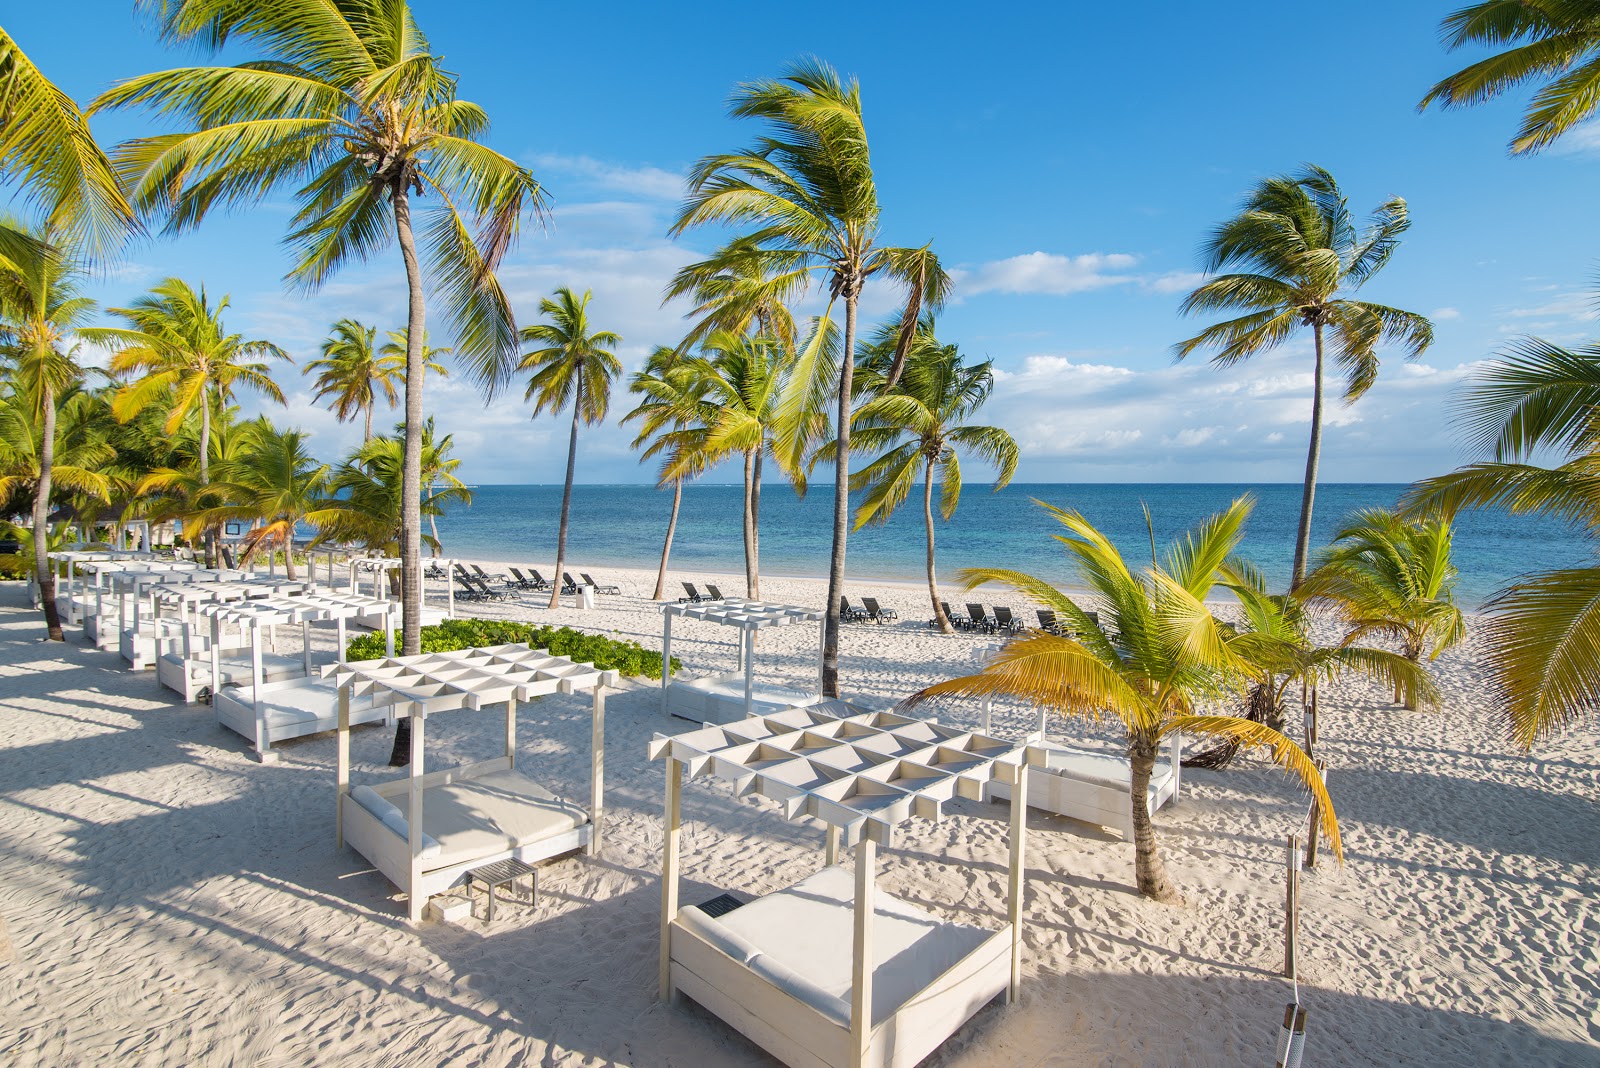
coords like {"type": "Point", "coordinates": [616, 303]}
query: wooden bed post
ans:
{"type": "Point", "coordinates": [822, 641]}
{"type": "Point", "coordinates": [343, 643]}
{"type": "Point", "coordinates": [216, 657]}
{"type": "Point", "coordinates": [749, 672]}
{"type": "Point", "coordinates": [671, 828]}
{"type": "Point", "coordinates": [511, 734]}
{"type": "Point", "coordinates": [861, 966]}
{"type": "Point", "coordinates": [258, 676]}
{"type": "Point", "coordinates": [305, 646]}
{"type": "Point", "coordinates": [414, 901]}
{"type": "Point", "coordinates": [831, 851]}
{"type": "Point", "coordinates": [1019, 836]}
{"type": "Point", "coordinates": [597, 769]}
{"type": "Point", "coordinates": [344, 765]}
{"type": "Point", "coordinates": [666, 658]}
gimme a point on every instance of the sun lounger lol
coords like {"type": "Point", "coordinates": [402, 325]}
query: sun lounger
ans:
{"type": "Point", "coordinates": [519, 580]}
{"type": "Point", "coordinates": [958, 621]}
{"type": "Point", "coordinates": [877, 614]}
{"type": "Point", "coordinates": [980, 619]}
{"type": "Point", "coordinates": [1051, 625]}
{"type": "Point", "coordinates": [693, 595]}
{"type": "Point", "coordinates": [848, 614]}
{"type": "Point", "coordinates": [485, 577]}
{"type": "Point", "coordinates": [568, 583]}
{"type": "Point", "coordinates": [1004, 620]}
{"type": "Point", "coordinates": [716, 594]}
{"type": "Point", "coordinates": [600, 587]}
{"type": "Point", "coordinates": [539, 581]}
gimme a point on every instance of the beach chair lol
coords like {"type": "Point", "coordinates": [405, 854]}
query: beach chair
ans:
{"type": "Point", "coordinates": [716, 594]}
{"type": "Point", "coordinates": [848, 614]}
{"type": "Point", "coordinates": [485, 591]}
{"type": "Point", "coordinates": [539, 581]}
{"type": "Point", "coordinates": [981, 620]}
{"type": "Point", "coordinates": [877, 614]}
{"type": "Point", "coordinates": [519, 580]}
{"type": "Point", "coordinates": [468, 591]}
{"type": "Point", "coordinates": [599, 587]}
{"type": "Point", "coordinates": [568, 583]}
{"type": "Point", "coordinates": [693, 594]}
{"type": "Point", "coordinates": [1051, 625]}
{"type": "Point", "coordinates": [959, 622]}
{"type": "Point", "coordinates": [1004, 620]}
{"type": "Point", "coordinates": [485, 576]}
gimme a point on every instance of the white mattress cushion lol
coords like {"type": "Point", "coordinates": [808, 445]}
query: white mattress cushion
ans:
{"type": "Point", "coordinates": [477, 817]}
{"type": "Point", "coordinates": [392, 818]}
{"type": "Point", "coordinates": [1104, 769]}
{"type": "Point", "coordinates": [803, 938]}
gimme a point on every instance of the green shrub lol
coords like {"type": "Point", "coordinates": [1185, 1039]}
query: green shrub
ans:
{"type": "Point", "coordinates": [15, 566]}
{"type": "Point", "coordinates": [608, 654]}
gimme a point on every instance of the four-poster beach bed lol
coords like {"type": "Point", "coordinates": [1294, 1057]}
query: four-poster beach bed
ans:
{"type": "Point", "coordinates": [214, 654]}
{"type": "Point", "coordinates": [830, 971]}
{"type": "Point", "coordinates": [427, 831]}
{"type": "Point", "coordinates": [735, 694]}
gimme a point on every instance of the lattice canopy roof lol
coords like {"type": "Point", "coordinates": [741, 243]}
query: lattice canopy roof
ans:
{"type": "Point", "coordinates": [746, 615]}
{"type": "Point", "coordinates": [465, 678]}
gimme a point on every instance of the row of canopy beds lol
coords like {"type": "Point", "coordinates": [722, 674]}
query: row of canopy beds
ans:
{"type": "Point", "coordinates": [829, 971]}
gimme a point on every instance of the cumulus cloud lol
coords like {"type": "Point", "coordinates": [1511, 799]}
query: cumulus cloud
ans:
{"type": "Point", "coordinates": [1046, 272]}
{"type": "Point", "coordinates": [1442, 314]}
{"type": "Point", "coordinates": [653, 183]}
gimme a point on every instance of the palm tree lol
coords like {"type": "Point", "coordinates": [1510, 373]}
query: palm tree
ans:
{"type": "Point", "coordinates": [807, 190]}
{"type": "Point", "coordinates": [369, 488]}
{"type": "Point", "coordinates": [348, 105]}
{"type": "Point", "coordinates": [40, 309]}
{"type": "Point", "coordinates": [351, 373]}
{"type": "Point", "coordinates": [1551, 41]}
{"type": "Point", "coordinates": [917, 424]}
{"type": "Point", "coordinates": [1543, 632]}
{"type": "Point", "coordinates": [394, 363]}
{"type": "Point", "coordinates": [45, 144]}
{"type": "Point", "coordinates": [276, 484]}
{"type": "Point", "coordinates": [573, 365]}
{"type": "Point", "coordinates": [174, 490]}
{"type": "Point", "coordinates": [1150, 656]}
{"type": "Point", "coordinates": [1302, 256]}
{"type": "Point", "coordinates": [671, 394]}
{"type": "Point", "coordinates": [189, 362]}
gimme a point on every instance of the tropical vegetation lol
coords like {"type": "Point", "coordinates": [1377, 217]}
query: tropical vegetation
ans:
{"type": "Point", "coordinates": [604, 652]}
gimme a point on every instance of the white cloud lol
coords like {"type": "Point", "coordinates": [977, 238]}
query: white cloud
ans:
{"type": "Point", "coordinates": [1046, 272]}
{"type": "Point", "coordinates": [1443, 314]}
{"type": "Point", "coordinates": [653, 183]}
{"type": "Point", "coordinates": [1174, 281]}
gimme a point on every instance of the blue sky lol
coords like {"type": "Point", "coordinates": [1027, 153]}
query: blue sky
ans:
{"type": "Point", "coordinates": [1066, 161]}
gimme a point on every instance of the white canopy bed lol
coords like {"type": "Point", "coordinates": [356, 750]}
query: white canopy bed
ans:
{"type": "Point", "coordinates": [101, 623]}
{"type": "Point", "coordinates": [147, 635]}
{"type": "Point", "coordinates": [216, 642]}
{"type": "Point", "coordinates": [379, 567]}
{"type": "Point", "coordinates": [267, 710]}
{"type": "Point", "coordinates": [426, 831]}
{"type": "Point", "coordinates": [830, 971]}
{"type": "Point", "coordinates": [732, 695]}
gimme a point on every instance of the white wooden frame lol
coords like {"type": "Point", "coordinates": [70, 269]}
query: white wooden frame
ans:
{"type": "Point", "coordinates": [949, 763]}
{"type": "Point", "coordinates": [697, 699]}
{"type": "Point", "coordinates": [467, 679]}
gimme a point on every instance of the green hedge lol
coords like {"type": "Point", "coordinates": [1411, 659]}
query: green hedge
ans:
{"type": "Point", "coordinates": [14, 566]}
{"type": "Point", "coordinates": [608, 654]}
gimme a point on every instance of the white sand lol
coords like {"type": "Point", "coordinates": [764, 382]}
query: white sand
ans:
{"type": "Point", "coordinates": [171, 901]}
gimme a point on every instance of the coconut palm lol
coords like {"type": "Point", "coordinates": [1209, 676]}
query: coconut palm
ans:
{"type": "Point", "coordinates": [352, 375]}
{"type": "Point", "coordinates": [189, 363]}
{"type": "Point", "coordinates": [177, 491]}
{"type": "Point", "coordinates": [369, 487]}
{"type": "Point", "coordinates": [1149, 657]}
{"type": "Point", "coordinates": [807, 193]}
{"type": "Point", "coordinates": [671, 394]}
{"type": "Point", "coordinates": [1542, 636]}
{"type": "Point", "coordinates": [277, 485]}
{"type": "Point", "coordinates": [917, 427]}
{"type": "Point", "coordinates": [573, 365]}
{"type": "Point", "coordinates": [41, 308]}
{"type": "Point", "coordinates": [1303, 257]}
{"type": "Point", "coordinates": [46, 146]}
{"type": "Point", "coordinates": [349, 107]}
{"type": "Point", "coordinates": [1556, 42]}
{"type": "Point", "coordinates": [1388, 577]}
{"type": "Point", "coordinates": [741, 289]}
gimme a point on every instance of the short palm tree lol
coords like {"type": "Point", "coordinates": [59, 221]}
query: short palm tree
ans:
{"type": "Point", "coordinates": [917, 427]}
{"type": "Point", "coordinates": [1552, 41]}
{"type": "Point", "coordinates": [573, 364]}
{"type": "Point", "coordinates": [277, 485]}
{"type": "Point", "coordinates": [670, 396]}
{"type": "Point", "coordinates": [1302, 258]}
{"type": "Point", "coordinates": [41, 308]}
{"type": "Point", "coordinates": [349, 107]}
{"type": "Point", "coordinates": [1543, 632]}
{"type": "Point", "coordinates": [1389, 577]}
{"type": "Point", "coordinates": [1152, 654]}
{"type": "Point", "coordinates": [189, 363]}
{"type": "Point", "coordinates": [368, 487]}
{"type": "Point", "coordinates": [351, 374]}
{"type": "Point", "coordinates": [807, 193]}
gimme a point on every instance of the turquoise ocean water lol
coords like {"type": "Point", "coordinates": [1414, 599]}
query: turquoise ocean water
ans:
{"type": "Point", "coordinates": [624, 525]}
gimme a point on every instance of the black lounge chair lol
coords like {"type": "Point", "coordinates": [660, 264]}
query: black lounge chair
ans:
{"type": "Point", "coordinates": [599, 587]}
{"type": "Point", "coordinates": [479, 590]}
{"type": "Point", "coordinates": [485, 576]}
{"type": "Point", "coordinates": [693, 594]}
{"type": "Point", "coordinates": [539, 581]}
{"type": "Point", "coordinates": [877, 614]}
{"type": "Point", "coordinates": [715, 594]}
{"type": "Point", "coordinates": [848, 614]}
{"type": "Point", "coordinates": [1051, 625]}
{"type": "Point", "coordinates": [959, 622]}
{"type": "Point", "coordinates": [568, 583]}
{"type": "Point", "coordinates": [519, 580]}
{"type": "Point", "coordinates": [980, 619]}
{"type": "Point", "coordinates": [1004, 620]}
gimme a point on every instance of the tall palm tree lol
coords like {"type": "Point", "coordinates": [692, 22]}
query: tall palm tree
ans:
{"type": "Point", "coordinates": [573, 365]}
{"type": "Point", "coordinates": [394, 363]}
{"type": "Point", "coordinates": [807, 192]}
{"type": "Point", "coordinates": [917, 427]}
{"type": "Point", "coordinates": [1543, 632]}
{"type": "Point", "coordinates": [352, 375]}
{"type": "Point", "coordinates": [278, 485]}
{"type": "Point", "coordinates": [46, 146]}
{"type": "Point", "coordinates": [1388, 577]}
{"type": "Point", "coordinates": [1302, 258]}
{"type": "Point", "coordinates": [348, 105]}
{"type": "Point", "coordinates": [189, 363]}
{"type": "Point", "coordinates": [1556, 42]}
{"type": "Point", "coordinates": [1150, 656]}
{"type": "Point", "coordinates": [174, 489]}
{"type": "Point", "coordinates": [41, 308]}
{"type": "Point", "coordinates": [670, 398]}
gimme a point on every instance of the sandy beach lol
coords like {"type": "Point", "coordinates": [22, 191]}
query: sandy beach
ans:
{"type": "Point", "coordinates": [169, 900]}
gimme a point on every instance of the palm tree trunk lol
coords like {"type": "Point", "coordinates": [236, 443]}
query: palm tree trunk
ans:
{"type": "Point", "coordinates": [841, 498]}
{"type": "Point", "coordinates": [666, 546]}
{"type": "Point", "coordinates": [433, 526]}
{"type": "Point", "coordinates": [566, 494]}
{"type": "Point", "coordinates": [1302, 542]}
{"type": "Point", "coordinates": [1149, 872]}
{"type": "Point", "coordinates": [939, 619]}
{"type": "Point", "coordinates": [366, 432]}
{"type": "Point", "coordinates": [210, 534]}
{"type": "Point", "coordinates": [41, 519]}
{"type": "Point", "coordinates": [288, 552]}
{"type": "Point", "coordinates": [755, 527]}
{"type": "Point", "coordinates": [411, 466]}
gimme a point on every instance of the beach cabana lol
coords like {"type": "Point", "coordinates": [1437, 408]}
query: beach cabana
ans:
{"type": "Point", "coordinates": [216, 640]}
{"type": "Point", "coordinates": [830, 971]}
{"type": "Point", "coordinates": [267, 710]}
{"type": "Point", "coordinates": [425, 832]}
{"type": "Point", "coordinates": [378, 568]}
{"type": "Point", "coordinates": [147, 634]}
{"type": "Point", "coordinates": [735, 694]}
{"type": "Point", "coordinates": [106, 615]}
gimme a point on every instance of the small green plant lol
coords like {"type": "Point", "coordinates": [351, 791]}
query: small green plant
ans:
{"type": "Point", "coordinates": [608, 654]}
{"type": "Point", "coordinates": [15, 566]}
